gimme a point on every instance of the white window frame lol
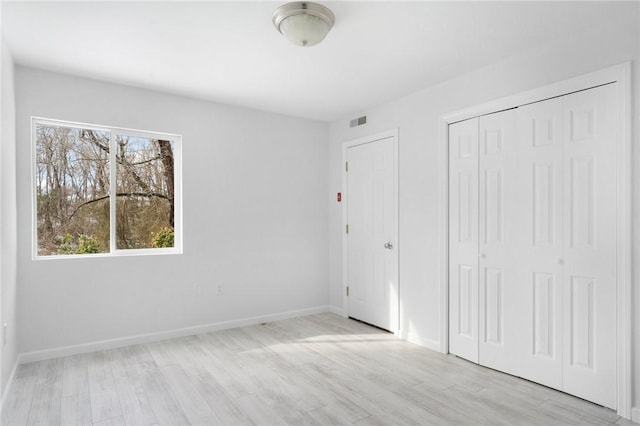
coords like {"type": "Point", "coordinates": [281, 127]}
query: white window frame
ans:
{"type": "Point", "coordinates": [113, 132]}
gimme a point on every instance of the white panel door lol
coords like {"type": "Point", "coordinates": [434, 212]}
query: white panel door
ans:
{"type": "Point", "coordinates": [463, 239]}
{"type": "Point", "coordinates": [372, 268]}
{"type": "Point", "coordinates": [590, 244]}
{"type": "Point", "coordinates": [539, 242]}
{"type": "Point", "coordinates": [497, 295]}
{"type": "Point", "coordinates": [532, 242]}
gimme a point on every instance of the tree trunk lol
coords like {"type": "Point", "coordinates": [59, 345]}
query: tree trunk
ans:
{"type": "Point", "coordinates": [166, 154]}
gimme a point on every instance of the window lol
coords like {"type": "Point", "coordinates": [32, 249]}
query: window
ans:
{"type": "Point", "coordinates": [105, 190]}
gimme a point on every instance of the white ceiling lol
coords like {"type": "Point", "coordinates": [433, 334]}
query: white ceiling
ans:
{"type": "Point", "coordinates": [229, 52]}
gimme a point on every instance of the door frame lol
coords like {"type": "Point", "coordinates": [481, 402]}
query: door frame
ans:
{"type": "Point", "coordinates": [621, 74]}
{"type": "Point", "coordinates": [392, 133]}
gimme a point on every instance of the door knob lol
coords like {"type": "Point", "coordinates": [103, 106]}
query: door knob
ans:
{"type": "Point", "coordinates": [388, 245]}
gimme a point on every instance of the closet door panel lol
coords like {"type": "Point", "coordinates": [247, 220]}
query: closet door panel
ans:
{"type": "Point", "coordinates": [497, 138]}
{"type": "Point", "coordinates": [590, 244]}
{"type": "Point", "coordinates": [463, 239]}
{"type": "Point", "coordinates": [538, 174]}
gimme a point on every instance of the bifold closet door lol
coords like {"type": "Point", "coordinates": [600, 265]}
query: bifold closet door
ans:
{"type": "Point", "coordinates": [539, 242]}
{"type": "Point", "coordinates": [532, 242]}
{"type": "Point", "coordinates": [481, 267]}
{"type": "Point", "coordinates": [589, 278]}
{"type": "Point", "coordinates": [497, 259]}
{"type": "Point", "coordinates": [566, 278]}
{"type": "Point", "coordinates": [463, 239]}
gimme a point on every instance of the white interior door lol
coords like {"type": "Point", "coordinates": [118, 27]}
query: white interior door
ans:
{"type": "Point", "coordinates": [372, 260]}
{"type": "Point", "coordinates": [463, 239]}
{"type": "Point", "coordinates": [497, 294]}
{"type": "Point", "coordinates": [590, 244]}
{"type": "Point", "coordinates": [539, 242]}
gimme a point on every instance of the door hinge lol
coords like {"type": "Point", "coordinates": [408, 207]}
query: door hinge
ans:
{"type": "Point", "coordinates": [347, 291]}
{"type": "Point", "coordinates": [347, 228]}
{"type": "Point", "coordinates": [346, 166]}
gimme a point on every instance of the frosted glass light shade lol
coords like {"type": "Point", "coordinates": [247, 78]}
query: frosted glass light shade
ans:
{"type": "Point", "coordinates": [304, 30]}
{"type": "Point", "coordinates": [303, 23]}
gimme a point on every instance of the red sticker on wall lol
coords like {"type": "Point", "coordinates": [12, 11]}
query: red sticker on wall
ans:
{"type": "Point", "coordinates": [339, 197]}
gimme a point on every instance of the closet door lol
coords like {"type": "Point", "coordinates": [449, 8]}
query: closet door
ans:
{"type": "Point", "coordinates": [533, 242]}
{"type": "Point", "coordinates": [539, 242]}
{"type": "Point", "coordinates": [589, 279]}
{"type": "Point", "coordinates": [497, 297]}
{"type": "Point", "coordinates": [463, 239]}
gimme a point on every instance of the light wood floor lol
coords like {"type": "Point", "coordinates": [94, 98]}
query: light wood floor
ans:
{"type": "Point", "coordinates": [316, 370]}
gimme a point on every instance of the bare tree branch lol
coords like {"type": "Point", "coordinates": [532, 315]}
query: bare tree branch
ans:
{"type": "Point", "coordinates": [93, 139]}
{"type": "Point", "coordinates": [143, 162]}
{"type": "Point", "coordinates": [119, 194]}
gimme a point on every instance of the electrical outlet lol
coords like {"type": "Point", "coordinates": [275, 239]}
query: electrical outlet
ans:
{"type": "Point", "coordinates": [220, 289]}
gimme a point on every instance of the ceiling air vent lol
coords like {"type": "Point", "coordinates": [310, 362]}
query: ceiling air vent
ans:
{"type": "Point", "coordinates": [358, 121]}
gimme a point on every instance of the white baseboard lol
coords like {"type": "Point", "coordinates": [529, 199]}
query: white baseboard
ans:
{"type": "Point", "coordinates": [162, 335]}
{"type": "Point", "coordinates": [5, 391]}
{"type": "Point", "coordinates": [336, 310]}
{"type": "Point", "coordinates": [414, 338]}
{"type": "Point", "coordinates": [635, 414]}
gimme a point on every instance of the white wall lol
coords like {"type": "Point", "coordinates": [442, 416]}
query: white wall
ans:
{"type": "Point", "coordinates": [8, 266]}
{"type": "Point", "coordinates": [417, 115]}
{"type": "Point", "coordinates": [636, 231]}
{"type": "Point", "coordinates": [255, 219]}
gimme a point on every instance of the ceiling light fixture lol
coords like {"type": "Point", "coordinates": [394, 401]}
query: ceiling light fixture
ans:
{"type": "Point", "coordinates": [303, 23]}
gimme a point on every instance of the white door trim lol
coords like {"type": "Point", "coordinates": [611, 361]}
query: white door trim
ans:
{"type": "Point", "coordinates": [622, 75]}
{"type": "Point", "coordinates": [393, 133]}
